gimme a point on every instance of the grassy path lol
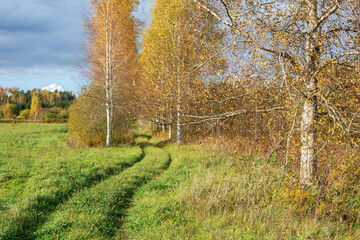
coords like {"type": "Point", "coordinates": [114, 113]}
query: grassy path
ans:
{"type": "Point", "coordinates": [38, 173]}
{"type": "Point", "coordinates": [97, 212]}
{"type": "Point", "coordinates": [43, 193]}
{"type": "Point", "coordinates": [51, 191]}
{"type": "Point", "coordinates": [156, 212]}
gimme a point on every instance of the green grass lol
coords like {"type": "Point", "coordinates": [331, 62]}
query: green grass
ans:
{"type": "Point", "coordinates": [157, 190]}
{"type": "Point", "coordinates": [38, 172]}
{"type": "Point", "coordinates": [207, 195]}
{"type": "Point", "coordinates": [96, 213]}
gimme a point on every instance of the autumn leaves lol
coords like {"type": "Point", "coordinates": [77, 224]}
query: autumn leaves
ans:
{"type": "Point", "coordinates": [256, 70]}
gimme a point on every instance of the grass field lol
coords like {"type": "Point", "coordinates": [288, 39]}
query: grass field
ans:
{"type": "Point", "coordinates": [152, 190]}
{"type": "Point", "coordinates": [206, 195]}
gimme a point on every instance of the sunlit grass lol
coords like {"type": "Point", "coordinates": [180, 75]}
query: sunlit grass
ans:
{"type": "Point", "coordinates": [39, 171]}
{"type": "Point", "coordinates": [96, 213]}
{"type": "Point", "coordinates": [208, 195]}
{"type": "Point", "coordinates": [156, 190]}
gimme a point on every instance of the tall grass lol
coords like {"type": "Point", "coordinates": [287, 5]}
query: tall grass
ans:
{"type": "Point", "coordinates": [51, 191]}
{"type": "Point", "coordinates": [208, 195]}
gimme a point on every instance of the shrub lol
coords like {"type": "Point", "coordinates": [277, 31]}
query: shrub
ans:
{"type": "Point", "coordinates": [10, 108]}
{"type": "Point", "coordinates": [63, 114]}
{"type": "Point", "coordinates": [24, 114]}
{"type": "Point", "coordinates": [87, 121]}
{"type": "Point", "coordinates": [56, 110]}
{"type": "Point", "coordinates": [1, 113]}
{"type": "Point", "coordinates": [10, 115]}
{"type": "Point", "coordinates": [50, 115]}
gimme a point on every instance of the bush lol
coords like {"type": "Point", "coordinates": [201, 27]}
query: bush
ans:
{"type": "Point", "coordinates": [50, 115]}
{"type": "Point", "coordinates": [10, 115]}
{"type": "Point", "coordinates": [56, 110]}
{"type": "Point", "coordinates": [1, 113]}
{"type": "Point", "coordinates": [63, 114]}
{"type": "Point", "coordinates": [10, 110]}
{"type": "Point", "coordinates": [24, 114]}
{"type": "Point", "coordinates": [87, 122]}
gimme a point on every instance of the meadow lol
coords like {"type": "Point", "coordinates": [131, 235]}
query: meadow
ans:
{"type": "Point", "coordinates": [155, 190]}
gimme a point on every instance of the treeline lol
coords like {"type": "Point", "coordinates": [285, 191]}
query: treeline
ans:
{"type": "Point", "coordinates": [34, 104]}
{"type": "Point", "coordinates": [259, 78]}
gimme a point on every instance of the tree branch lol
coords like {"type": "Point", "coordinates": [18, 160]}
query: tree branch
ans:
{"type": "Point", "coordinates": [229, 24]}
{"type": "Point", "coordinates": [324, 17]}
{"type": "Point", "coordinates": [234, 113]}
{"type": "Point", "coordinates": [331, 61]}
{"type": "Point", "coordinates": [247, 36]}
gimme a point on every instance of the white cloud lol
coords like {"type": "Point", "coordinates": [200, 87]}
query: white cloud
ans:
{"type": "Point", "coordinates": [52, 87]}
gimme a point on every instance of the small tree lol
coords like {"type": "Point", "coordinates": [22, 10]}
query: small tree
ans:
{"type": "Point", "coordinates": [87, 122]}
{"type": "Point", "coordinates": [111, 51]}
{"type": "Point", "coordinates": [35, 108]}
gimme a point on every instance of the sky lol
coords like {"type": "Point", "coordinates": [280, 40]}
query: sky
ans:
{"type": "Point", "coordinates": [41, 42]}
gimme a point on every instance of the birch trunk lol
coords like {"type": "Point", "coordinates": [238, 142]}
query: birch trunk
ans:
{"type": "Point", "coordinates": [163, 126]}
{"type": "Point", "coordinates": [170, 126]}
{"type": "Point", "coordinates": [308, 162]}
{"type": "Point", "coordinates": [178, 124]}
{"type": "Point", "coordinates": [178, 111]}
{"type": "Point", "coordinates": [108, 121]}
{"type": "Point", "coordinates": [108, 77]}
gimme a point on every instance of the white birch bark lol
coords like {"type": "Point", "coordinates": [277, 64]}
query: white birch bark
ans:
{"type": "Point", "coordinates": [108, 76]}
{"type": "Point", "coordinates": [170, 126]}
{"type": "Point", "coordinates": [178, 113]}
{"type": "Point", "coordinates": [308, 161]}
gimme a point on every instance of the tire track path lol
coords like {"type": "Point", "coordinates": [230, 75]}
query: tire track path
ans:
{"type": "Point", "coordinates": [97, 212]}
{"type": "Point", "coordinates": [35, 212]}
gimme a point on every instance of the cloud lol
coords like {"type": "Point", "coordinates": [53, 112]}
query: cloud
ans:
{"type": "Point", "coordinates": [52, 87]}
{"type": "Point", "coordinates": [41, 39]}
{"type": "Point", "coordinates": [40, 32]}
{"type": "Point", "coordinates": [39, 76]}
{"type": "Point", "coordinates": [39, 42]}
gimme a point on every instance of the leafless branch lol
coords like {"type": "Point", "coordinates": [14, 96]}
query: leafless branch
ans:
{"type": "Point", "coordinates": [234, 113]}
{"type": "Point", "coordinates": [334, 60]}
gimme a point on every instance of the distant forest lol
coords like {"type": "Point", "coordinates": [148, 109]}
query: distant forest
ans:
{"type": "Point", "coordinates": [35, 104]}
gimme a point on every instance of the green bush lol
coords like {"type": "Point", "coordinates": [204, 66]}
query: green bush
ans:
{"type": "Point", "coordinates": [1, 113]}
{"type": "Point", "coordinates": [24, 114]}
{"type": "Point", "coordinates": [50, 115]}
{"type": "Point", "coordinates": [56, 110]}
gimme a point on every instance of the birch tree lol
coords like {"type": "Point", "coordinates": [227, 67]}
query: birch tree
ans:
{"type": "Point", "coordinates": [101, 114]}
{"type": "Point", "coordinates": [112, 51]}
{"type": "Point", "coordinates": [178, 40]}
{"type": "Point", "coordinates": [298, 42]}
{"type": "Point", "coordinates": [35, 108]}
